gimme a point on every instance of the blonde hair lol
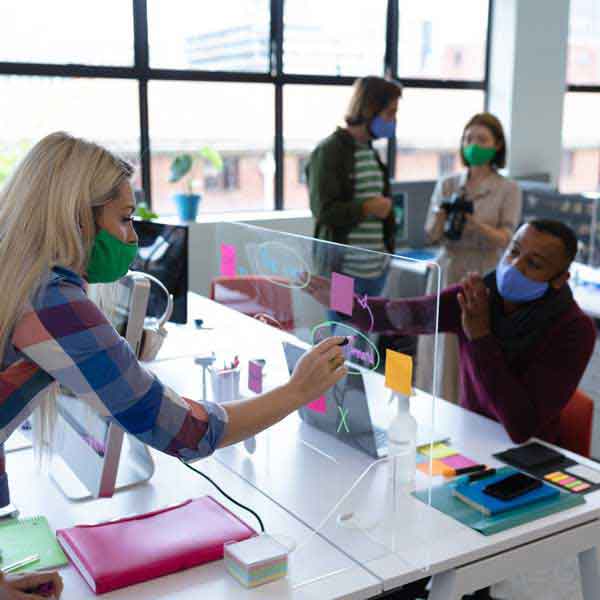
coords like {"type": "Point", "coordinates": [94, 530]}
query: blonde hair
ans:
{"type": "Point", "coordinates": [47, 210]}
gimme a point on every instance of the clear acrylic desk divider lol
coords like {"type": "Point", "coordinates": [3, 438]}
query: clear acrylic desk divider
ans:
{"type": "Point", "coordinates": [327, 463]}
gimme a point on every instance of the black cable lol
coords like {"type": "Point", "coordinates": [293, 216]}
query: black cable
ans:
{"type": "Point", "coordinates": [262, 527]}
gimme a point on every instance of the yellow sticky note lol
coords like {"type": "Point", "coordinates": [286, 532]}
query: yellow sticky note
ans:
{"type": "Point", "coordinates": [438, 451]}
{"type": "Point", "coordinates": [398, 372]}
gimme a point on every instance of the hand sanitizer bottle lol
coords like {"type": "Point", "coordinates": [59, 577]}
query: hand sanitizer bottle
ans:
{"type": "Point", "coordinates": [402, 440]}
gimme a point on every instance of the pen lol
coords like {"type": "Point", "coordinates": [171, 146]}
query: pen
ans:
{"type": "Point", "coordinates": [482, 474]}
{"type": "Point", "coordinates": [472, 469]}
{"type": "Point", "coordinates": [21, 563]}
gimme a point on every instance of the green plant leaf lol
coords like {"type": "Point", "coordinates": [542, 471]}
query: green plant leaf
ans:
{"type": "Point", "coordinates": [142, 211]}
{"type": "Point", "coordinates": [180, 167]}
{"type": "Point", "coordinates": [212, 156]}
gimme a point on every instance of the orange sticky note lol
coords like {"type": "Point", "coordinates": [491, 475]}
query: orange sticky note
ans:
{"type": "Point", "coordinates": [437, 468]}
{"type": "Point", "coordinates": [398, 372]}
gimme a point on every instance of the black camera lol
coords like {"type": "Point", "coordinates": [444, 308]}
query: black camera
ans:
{"type": "Point", "coordinates": [457, 209]}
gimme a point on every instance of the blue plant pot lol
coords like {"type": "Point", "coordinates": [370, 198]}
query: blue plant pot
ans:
{"type": "Point", "coordinates": [187, 205]}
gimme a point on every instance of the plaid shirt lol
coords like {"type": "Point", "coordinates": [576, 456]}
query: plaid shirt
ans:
{"type": "Point", "coordinates": [63, 337]}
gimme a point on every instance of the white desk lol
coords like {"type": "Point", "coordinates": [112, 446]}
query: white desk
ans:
{"type": "Point", "coordinates": [307, 484]}
{"type": "Point", "coordinates": [34, 494]}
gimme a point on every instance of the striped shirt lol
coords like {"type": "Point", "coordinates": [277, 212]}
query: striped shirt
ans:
{"type": "Point", "coordinates": [368, 183]}
{"type": "Point", "coordinates": [63, 337]}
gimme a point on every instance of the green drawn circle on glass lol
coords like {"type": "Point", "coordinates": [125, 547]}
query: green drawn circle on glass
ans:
{"type": "Point", "coordinates": [350, 350]}
{"type": "Point", "coordinates": [271, 263]}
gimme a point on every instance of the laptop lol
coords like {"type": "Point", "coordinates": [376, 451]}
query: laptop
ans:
{"type": "Point", "coordinates": [357, 410]}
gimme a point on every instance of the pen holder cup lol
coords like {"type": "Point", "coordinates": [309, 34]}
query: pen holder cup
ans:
{"type": "Point", "coordinates": [225, 384]}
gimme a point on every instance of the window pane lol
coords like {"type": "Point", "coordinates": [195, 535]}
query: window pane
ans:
{"type": "Point", "coordinates": [104, 111]}
{"type": "Point", "coordinates": [326, 106]}
{"type": "Point", "coordinates": [580, 169]}
{"type": "Point", "coordinates": [230, 35]}
{"type": "Point", "coordinates": [430, 123]}
{"type": "Point", "coordinates": [236, 120]}
{"type": "Point", "coordinates": [583, 58]}
{"type": "Point", "coordinates": [67, 31]}
{"type": "Point", "coordinates": [334, 37]}
{"type": "Point", "coordinates": [442, 40]}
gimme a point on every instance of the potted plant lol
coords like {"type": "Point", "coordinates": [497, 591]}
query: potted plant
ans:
{"type": "Point", "coordinates": [181, 170]}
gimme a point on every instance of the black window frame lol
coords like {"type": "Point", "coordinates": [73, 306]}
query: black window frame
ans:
{"type": "Point", "coordinates": [143, 73]}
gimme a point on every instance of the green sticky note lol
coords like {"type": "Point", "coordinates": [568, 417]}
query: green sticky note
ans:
{"type": "Point", "coordinates": [438, 451]}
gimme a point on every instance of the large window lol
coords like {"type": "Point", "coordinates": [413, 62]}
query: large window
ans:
{"type": "Point", "coordinates": [442, 40]}
{"type": "Point", "coordinates": [580, 168]}
{"type": "Point", "coordinates": [260, 82]}
{"type": "Point", "coordinates": [235, 119]}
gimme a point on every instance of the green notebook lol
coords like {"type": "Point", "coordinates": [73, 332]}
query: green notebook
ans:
{"type": "Point", "coordinates": [22, 537]}
{"type": "Point", "coordinates": [443, 500]}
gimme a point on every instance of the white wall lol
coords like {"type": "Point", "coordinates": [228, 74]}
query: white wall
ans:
{"type": "Point", "coordinates": [527, 81]}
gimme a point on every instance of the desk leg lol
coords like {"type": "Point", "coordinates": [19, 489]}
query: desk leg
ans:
{"type": "Point", "coordinates": [444, 586]}
{"type": "Point", "coordinates": [588, 566]}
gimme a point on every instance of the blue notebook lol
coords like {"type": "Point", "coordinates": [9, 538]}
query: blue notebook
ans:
{"type": "Point", "coordinates": [473, 495]}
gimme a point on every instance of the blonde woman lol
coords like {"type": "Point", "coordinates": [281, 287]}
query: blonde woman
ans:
{"type": "Point", "coordinates": [496, 203]}
{"type": "Point", "coordinates": [65, 221]}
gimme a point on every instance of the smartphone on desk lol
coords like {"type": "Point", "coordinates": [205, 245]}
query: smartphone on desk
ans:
{"type": "Point", "coordinates": [512, 487]}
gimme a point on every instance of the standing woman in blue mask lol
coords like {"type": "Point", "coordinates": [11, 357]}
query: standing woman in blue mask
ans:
{"type": "Point", "coordinates": [477, 247]}
{"type": "Point", "coordinates": [349, 184]}
{"type": "Point", "coordinates": [66, 221]}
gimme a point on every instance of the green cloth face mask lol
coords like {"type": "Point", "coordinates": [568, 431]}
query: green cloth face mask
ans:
{"type": "Point", "coordinates": [476, 155]}
{"type": "Point", "coordinates": [110, 258]}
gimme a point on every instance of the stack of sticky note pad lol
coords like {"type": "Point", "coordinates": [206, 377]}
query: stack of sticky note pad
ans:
{"type": "Point", "coordinates": [256, 560]}
{"type": "Point", "coordinates": [446, 461]}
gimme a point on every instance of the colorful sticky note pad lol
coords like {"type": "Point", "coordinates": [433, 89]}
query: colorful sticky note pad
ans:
{"type": "Point", "coordinates": [437, 468]}
{"type": "Point", "coordinates": [319, 405]}
{"type": "Point", "coordinates": [255, 377]}
{"type": "Point", "coordinates": [437, 451]}
{"type": "Point", "coordinates": [398, 372]}
{"type": "Point", "coordinates": [342, 293]}
{"type": "Point", "coordinates": [458, 461]}
{"type": "Point", "coordinates": [581, 488]}
{"type": "Point", "coordinates": [228, 260]}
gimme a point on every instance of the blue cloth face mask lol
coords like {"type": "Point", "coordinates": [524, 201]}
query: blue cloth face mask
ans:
{"type": "Point", "coordinates": [515, 287]}
{"type": "Point", "coordinates": [380, 128]}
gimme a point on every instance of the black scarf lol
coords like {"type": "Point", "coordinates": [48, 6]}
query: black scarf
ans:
{"type": "Point", "coordinates": [520, 330]}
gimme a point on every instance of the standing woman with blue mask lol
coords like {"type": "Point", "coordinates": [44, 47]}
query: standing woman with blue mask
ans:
{"type": "Point", "coordinates": [66, 221]}
{"type": "Point", "coordinates": [349, 184]}
{"type": "Point", "coordinates": [495, 202]}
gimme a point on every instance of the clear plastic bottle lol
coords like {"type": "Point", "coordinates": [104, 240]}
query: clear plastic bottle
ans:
{"type": "Point", "coordinates": [402, 441]}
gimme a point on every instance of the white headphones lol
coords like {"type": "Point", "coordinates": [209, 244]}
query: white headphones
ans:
{"type": "Point", "coordinates": [154, 333]}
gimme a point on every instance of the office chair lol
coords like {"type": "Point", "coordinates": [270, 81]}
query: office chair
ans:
{"type": "Point", "coordinates": [256, 295]}
{"type": "Point", "coordinates": [575, 424]}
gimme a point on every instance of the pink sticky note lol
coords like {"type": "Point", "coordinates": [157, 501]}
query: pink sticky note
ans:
{"type": "Point", "coordinates": [228, 260]}
{"type": "Point", "coordinates": [342, 293]}
{"type": "Point", "coordinates": [319, 405]}
{"type": "Point", "coordinates": [458, 461]}
{"type": "Point", "coordinates": [255, 377]}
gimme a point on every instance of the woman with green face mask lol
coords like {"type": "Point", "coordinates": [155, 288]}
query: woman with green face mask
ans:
{"type": "Point", "coordinates": [469, 241]}
{"type": "Point", "coordinates": [66, 221]}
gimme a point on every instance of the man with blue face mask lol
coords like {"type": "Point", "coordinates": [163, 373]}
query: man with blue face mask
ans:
{"type": "Point", "coordinates": [524, 342]}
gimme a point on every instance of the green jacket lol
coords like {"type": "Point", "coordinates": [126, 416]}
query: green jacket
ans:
{"type": "Point", "coordinates": [330, 175]}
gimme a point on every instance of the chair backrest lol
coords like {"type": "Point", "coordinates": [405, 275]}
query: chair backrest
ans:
{"type": "Point", "coordinates": [254, 295]}
{"type": "Point", "coordinates": [575, 425]}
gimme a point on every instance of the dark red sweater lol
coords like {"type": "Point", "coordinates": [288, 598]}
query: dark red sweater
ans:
{"type": "Point", "coordinates": [527, 395]}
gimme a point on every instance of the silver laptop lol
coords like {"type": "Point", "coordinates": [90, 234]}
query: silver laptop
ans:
{"type": "Point", "coordinates": [358, 409]}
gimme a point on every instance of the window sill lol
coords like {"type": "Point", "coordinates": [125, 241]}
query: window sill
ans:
{"type": "Point", "coordinates": [241, 216]}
